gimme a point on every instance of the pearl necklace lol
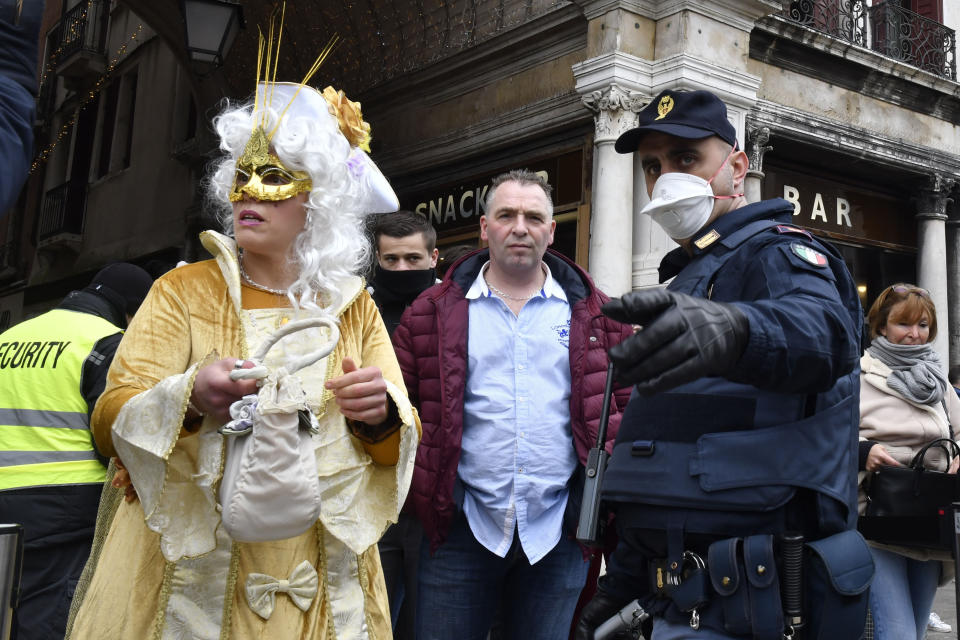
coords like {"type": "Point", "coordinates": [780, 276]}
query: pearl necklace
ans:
{"type": "Point", "coordinates": [508, 296]}
{"type": "Point", "coordinates": [257, 285]}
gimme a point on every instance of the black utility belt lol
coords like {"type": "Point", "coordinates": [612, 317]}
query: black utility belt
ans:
{"type": "Point", "coordinates": [759, 585]}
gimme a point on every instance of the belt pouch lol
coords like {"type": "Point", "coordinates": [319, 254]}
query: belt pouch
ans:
{"type": "Point", "coordinates": [726, 576]}
{"type": "Point", "coordinates": [839, 570]}
{"type": "Point", "coordinates": [693, 592]}
{"type": "Point", "coordinates": [760, 566]}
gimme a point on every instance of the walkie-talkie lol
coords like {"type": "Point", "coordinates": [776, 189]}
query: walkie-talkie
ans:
{"type": "Point", "coordinates": [588, 528]}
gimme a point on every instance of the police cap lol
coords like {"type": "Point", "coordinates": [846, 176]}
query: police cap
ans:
{"type": "Point", "coordinates": [685, 114]}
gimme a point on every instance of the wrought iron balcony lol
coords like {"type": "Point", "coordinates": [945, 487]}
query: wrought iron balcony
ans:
{"type": "Point", "coordinates": [61, 220]}
{"type": "Point", "coordinates": [79, 41]}
{"type": "Point", "coordinates": [914, 39]}
{"type": "Point", "coordinates": [885, 27]}
{"type": "Point", "coordinates": [843, 19]}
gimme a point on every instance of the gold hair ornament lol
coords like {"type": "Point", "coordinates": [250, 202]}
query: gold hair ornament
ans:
{"type": "Point", "coordinates": [350, 118]}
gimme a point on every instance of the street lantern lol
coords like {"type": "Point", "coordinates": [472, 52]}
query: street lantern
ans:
{"type": "Point", "coordinates": [211, 27]}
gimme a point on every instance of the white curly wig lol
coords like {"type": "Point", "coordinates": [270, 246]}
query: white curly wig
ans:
{"type": "Point", "coordinates": [332, 247]}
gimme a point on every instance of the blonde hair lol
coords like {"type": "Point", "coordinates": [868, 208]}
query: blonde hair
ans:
{"type": "Point", "coordinates": [916, 303]}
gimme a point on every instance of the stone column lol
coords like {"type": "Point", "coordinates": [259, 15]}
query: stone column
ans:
{"type": "Point", "coordinates": [932, 253]}
{"type": "Point", "coordinates": [611, 210]}
{"type": "Point", "coordinates": [757, 139]}
{"type": "Point", "coordinates": [953, 277]}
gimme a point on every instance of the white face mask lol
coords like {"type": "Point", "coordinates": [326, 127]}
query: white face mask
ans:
{"type": "Point", "coordinates": [681, 203]}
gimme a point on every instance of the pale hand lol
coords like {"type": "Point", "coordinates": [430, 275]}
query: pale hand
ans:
{"type": "Point", "coordinates": [361, 394]}
{"type": "Point", "coordinates": [214, 391]}
{"type": "Point", "coordinates": [878, 457]}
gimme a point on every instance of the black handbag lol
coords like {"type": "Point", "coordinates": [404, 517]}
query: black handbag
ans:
{"type": "Point", "coordinates": [911, 505]}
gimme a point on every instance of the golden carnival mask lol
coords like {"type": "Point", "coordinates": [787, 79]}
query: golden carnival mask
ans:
{"type": "Point", "coordinates": [261, 175]}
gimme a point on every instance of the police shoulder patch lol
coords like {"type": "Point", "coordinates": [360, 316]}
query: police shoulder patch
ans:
{"type": "Point", "coordinates": [789, 228]}
{"type": "Point", "coordinates": [809, 254]}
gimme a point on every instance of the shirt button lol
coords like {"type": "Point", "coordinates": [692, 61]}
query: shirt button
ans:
{"type": "Point", "coordinates": [521, 469]}
{"type": "Point", "coordinates": [521, 399]}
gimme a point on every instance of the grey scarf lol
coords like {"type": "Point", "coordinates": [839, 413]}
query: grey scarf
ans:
{"type": "Point", "coordinates": [916, 372]}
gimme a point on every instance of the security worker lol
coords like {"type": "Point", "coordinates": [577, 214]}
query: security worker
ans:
{"type": "Point", "coordinates": [52, 370]}
{"type": "Point", "coordinates": [738, 446]}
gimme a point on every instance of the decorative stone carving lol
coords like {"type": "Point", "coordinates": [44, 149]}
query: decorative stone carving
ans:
{"type": "Point", "coordinates": [615, 111]}
{"type": "Point", "coordinates": [757, 139]}
{"type": "Point", "coordinates": [932, 201]}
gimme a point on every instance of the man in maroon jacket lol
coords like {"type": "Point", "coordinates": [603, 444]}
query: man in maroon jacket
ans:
{"type": "Point", "coordinates": [506, 360]}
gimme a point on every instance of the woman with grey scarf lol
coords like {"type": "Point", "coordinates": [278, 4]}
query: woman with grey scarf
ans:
{"type": "Point", "coordinates": [905, 402]}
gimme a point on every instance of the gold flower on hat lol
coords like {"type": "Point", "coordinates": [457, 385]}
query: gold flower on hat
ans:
{"type": "Point", "coordinates": [348, 114]}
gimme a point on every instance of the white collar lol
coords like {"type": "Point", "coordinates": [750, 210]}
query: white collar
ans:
{"type": "Point", "coordinates": [551, 288]}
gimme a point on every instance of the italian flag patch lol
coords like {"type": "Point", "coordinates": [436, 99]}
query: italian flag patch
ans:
{"type": "Point", "coordinates": [810, 255]}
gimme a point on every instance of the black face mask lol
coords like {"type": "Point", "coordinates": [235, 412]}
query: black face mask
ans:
{"type": "Point", "coordinates": [403, 284]}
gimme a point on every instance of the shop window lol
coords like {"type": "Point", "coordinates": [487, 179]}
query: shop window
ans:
{"type": "Point", "coordinates": [875, 268]}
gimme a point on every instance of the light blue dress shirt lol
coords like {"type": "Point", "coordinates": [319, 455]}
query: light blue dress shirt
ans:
{"type": "Point", "coordinates": [517, 449]}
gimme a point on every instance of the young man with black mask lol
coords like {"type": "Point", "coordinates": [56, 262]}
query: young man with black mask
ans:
{"type": "Point", "coordinates": [407, 254]}
{"type": "Point", "coordinates": [406, 260]}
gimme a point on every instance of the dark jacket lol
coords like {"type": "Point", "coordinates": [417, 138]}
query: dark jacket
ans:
{"type": "Point", "coordinates": [18, 85]}
{"type": "Point", "coordinates": [769, 446]}
{"type": "Point", "coordinates": [431, 346]}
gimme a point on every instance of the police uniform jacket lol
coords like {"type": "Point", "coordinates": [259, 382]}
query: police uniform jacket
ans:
{"type": "Point", "coordinates": [772, 445]}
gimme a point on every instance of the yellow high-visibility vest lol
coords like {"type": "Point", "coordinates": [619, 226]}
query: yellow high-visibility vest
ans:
{"type": "Point", "coordinates": [45, 435]}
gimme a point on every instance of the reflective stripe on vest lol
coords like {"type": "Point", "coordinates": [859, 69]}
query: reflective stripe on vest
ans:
{"type": "Point", "coordinates": [44, 431]}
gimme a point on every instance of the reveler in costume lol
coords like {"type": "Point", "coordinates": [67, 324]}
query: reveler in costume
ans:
{"type": "Point", "coordinates": [293, 188]}
{"type": "Point", "coordinates": [406, 245]}
{"type": "Point", "coordinates": [906, 402]}
{"type": "Point", "coordinates": [506, 360]}
{"type": "Point", "coordinates": [52, 370]}
{"type": "Point", "coordinates": [739, 441]}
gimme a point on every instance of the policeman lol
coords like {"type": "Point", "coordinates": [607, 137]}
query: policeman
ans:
{"type": "Point", "coordinates": [738, 445]}
{"type": "Point", "coordinates": [52, 370]}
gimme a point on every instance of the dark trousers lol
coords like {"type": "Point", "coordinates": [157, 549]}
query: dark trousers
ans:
{"type": "Point", "coordinates": [58, 526]}
{"type": "Point", "coordinates": [399, 554]}
{"type": "Point", "coordinates": [463, 584]}
{"type": "Point", "coordinates": [49, 579]}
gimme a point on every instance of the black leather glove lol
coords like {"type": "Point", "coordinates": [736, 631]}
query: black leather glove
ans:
{"type": "Point", "coordinates": [683, 338]}
{"type": "Point", "coordinates": [600, 609]}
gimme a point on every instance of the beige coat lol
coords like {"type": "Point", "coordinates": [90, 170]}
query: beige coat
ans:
{"type": "Point", "coordinates": [902, 427]}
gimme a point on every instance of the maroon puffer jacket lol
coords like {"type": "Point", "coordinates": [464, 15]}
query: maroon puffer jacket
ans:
{"type": "Point", "coordinates": [431, 346]}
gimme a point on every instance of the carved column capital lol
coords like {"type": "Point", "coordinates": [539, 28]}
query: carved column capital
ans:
{"type": "Point", "coordinates": [953, 208]}
{"type": "Point", "coordinates": [757, 139]}
{"type": "Point", "coordinates": [615, 111]}
{"type": "Point", "coordinates": [933, 200]}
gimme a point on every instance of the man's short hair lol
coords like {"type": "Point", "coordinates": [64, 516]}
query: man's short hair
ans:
{"type": "Point", "coordinates": [402, 224]}
{"type": "Point", "coordinates": [523, 177]}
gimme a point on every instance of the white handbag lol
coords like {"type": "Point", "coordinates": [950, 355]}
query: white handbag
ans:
{"type": "Point", "coordinates": [269, 489]}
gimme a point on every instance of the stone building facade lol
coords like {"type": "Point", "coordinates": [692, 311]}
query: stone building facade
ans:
{"type": "Point", "coordinates": [848, 108]}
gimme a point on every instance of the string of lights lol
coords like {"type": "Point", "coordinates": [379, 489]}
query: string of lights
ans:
{"type": "Point", "coordinates": [64, 131]}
